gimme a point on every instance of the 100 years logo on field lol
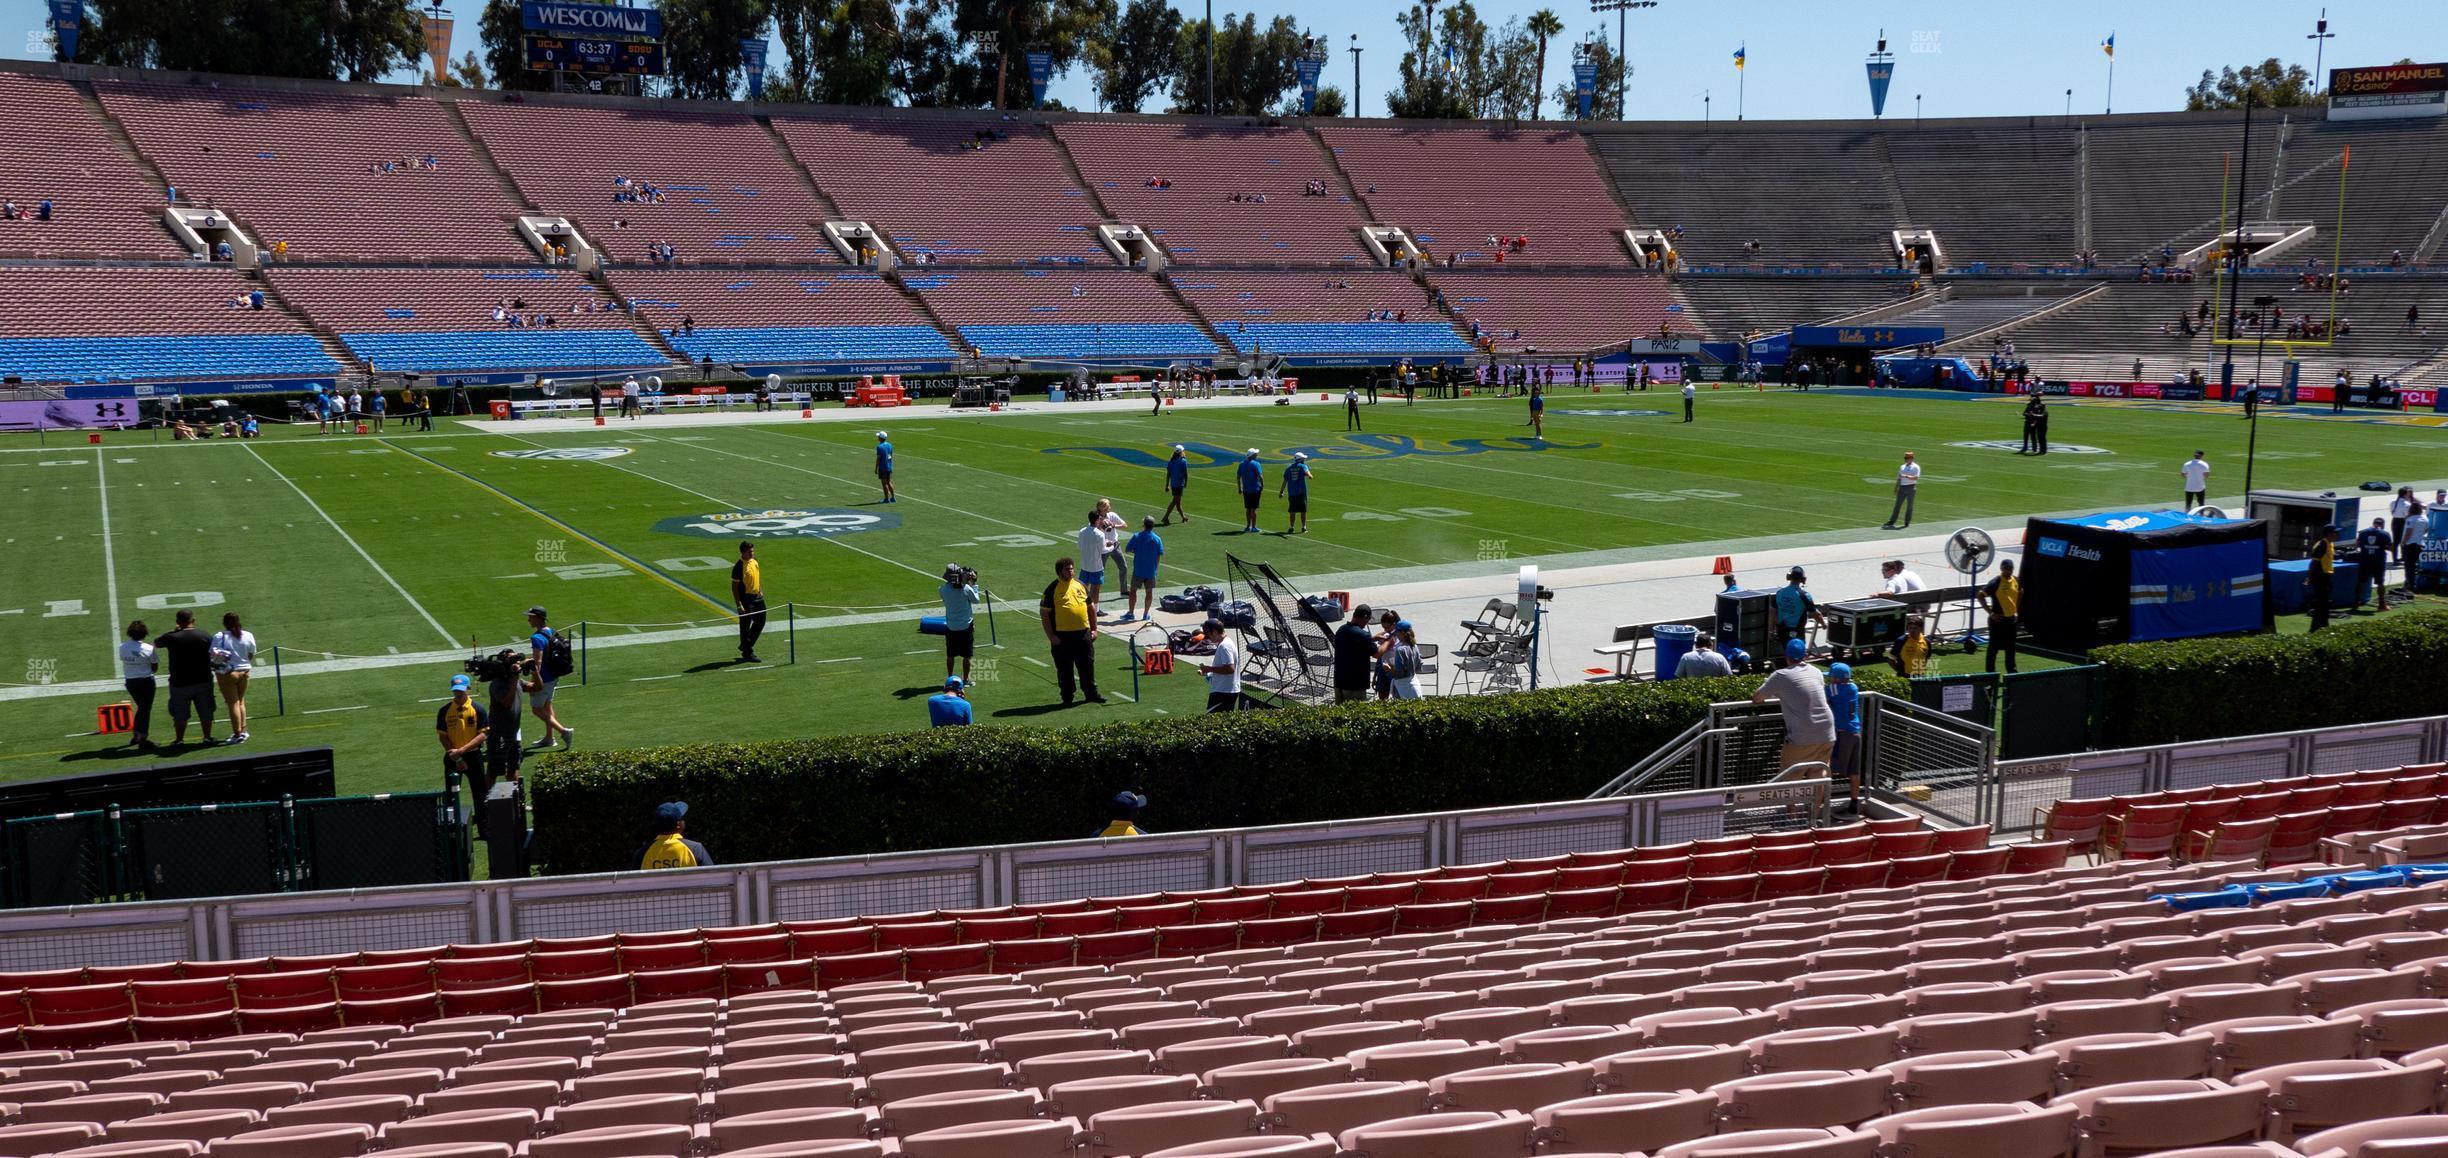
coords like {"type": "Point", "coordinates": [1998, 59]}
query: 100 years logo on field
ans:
{"type": "Point", "coordinates": [566, 453]}
{"type": "Point", "coordinates": [776, 524]}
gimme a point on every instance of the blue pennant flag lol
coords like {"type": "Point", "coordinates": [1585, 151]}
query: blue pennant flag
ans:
{"type": "Point", "coordinates": [1881, 72]}
{"type": "Point", "coordinates": [67, 19]}
{"type": "Point", "coordinates": [1308, 67]}
{"type": "Point", "coordinates": [1585, 85]}
{"type": "Point", "coordinates": [1041, 74]}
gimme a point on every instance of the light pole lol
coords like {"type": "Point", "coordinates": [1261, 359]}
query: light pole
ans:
{"type": "Point", "coordinates": [1211, 108]}
{"type": "Point", "coordinates": [2069, 106]}
{"type": "Point", "coordinates": [2320, 36]}
{"type": "Point", "coordinates": [1623, 54]}
{"type": "Point", "coordinates": [1916, 110]}
{"type": "Point", "coordinates": [1355, 51]}
{"type": "Point", "coordinates": [1704, 106]}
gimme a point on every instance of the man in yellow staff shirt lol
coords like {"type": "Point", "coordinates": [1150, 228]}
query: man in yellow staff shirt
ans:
{"type": "Point", "coordinates": [670, 849]}
{"type": "Point", "coordinates": [461, 726]}
{"type": "Point", "coordinates": [748, 594]}
{"type": "Point", "coordinates": [1913, 651]}
{"type": "Point", "coordinates": [2324, 575]}
{"type": "Point", "coordinates": [2003, 596]}
{"type": "Point", "coordinates": [1071, 631]}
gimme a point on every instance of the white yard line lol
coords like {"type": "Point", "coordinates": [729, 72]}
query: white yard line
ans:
{"type": "Point", "coordinates": [320, 711]}
{"type": "Point", "coordinates": [334, 524]}
{"type": "Point", "coordinates": [110, 565]}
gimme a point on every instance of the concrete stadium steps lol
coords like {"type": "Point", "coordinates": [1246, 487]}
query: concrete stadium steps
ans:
{"type": "Point", "coordinates": [935, 186]}
{"type": "Point", "coordinates": [1996, 195]}
{"type": "Point", "coordinates": [2099, 339]}
{"type": "Point", "coordinates": [1809, 196]}
{"type": "Point", "coordinates": [782, 316]}
{"type": "Point", "coordinates": [1975, 307]}
{"type": "Point", "coordinates": [1321, 313]}
{"type": "Point", "coordinates": [2158, 180]}
{"type": "Point", "coordinates": [729, 196]}
{"type": "Point", "coordinates": [1729, 307]}
{"type": "Point", "coordinates": [2396, 185]}
{"type": "Point", "coordinates": [103, 205]}
{"type": "Point", "coordinates": [1453, 188]}
{"type": "Point", "coordinates": [1558, 312]}
{"type": "Point", "coordinates": [1195, 218]}
{"type": "Point", "coordinates": [441, 319]}
{"type": "Point", "coordinates": [1062, 313]}
{"type": "Point", "coordinates": [305, 168]}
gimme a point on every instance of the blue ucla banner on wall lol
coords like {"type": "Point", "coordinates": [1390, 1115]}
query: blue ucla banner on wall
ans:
{"type": "Point", "coordinates": [591, 19]}
{"type": "Point", "coordinates": [1585, 85]}
{"type": "Point", "coordinates": [1041, 74]}
{"type": "Point", "coordinates": [1308, 67]}
{"type": "Point", "coordinates": [752, 61]}
{"type": "Point", "coordinates": [67, 19]}
{"type": "Point", "coordinates": [1881, 72]}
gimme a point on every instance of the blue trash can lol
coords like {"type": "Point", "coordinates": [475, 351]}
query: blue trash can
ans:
{"type": "Point", "coordinates": [1674, 641]}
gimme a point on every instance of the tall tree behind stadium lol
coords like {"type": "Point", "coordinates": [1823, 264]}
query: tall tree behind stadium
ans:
{"type": "Point", "coordinates": [355, 40]}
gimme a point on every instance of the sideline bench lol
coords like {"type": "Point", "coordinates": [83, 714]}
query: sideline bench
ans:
{"type": "Point", "coordinates": [1630, 636]}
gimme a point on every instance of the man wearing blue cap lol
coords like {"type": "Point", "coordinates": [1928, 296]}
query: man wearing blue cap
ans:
{"type": "Point", "coordinates": [1177, 480]}
{"type": "Point", "coordinates": [1801, 693]}
{"type": "Point", "coordinates": [947, 708]}
{"type": "Point", "coordinates": [669, 848]}
{"type": "Point", "coordinates": [1844, 700]}
{"type": "Point", "coordinates": [461, 726]}
{"type": "Point", "coordinates": [1252, 479]}
{"type": "Point", "coordinates": [1125, 822]}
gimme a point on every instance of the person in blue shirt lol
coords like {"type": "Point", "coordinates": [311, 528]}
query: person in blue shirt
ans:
{"type": "Point", "coordinates": [1538, 412]}
{"type": "Point", "coordinates": [1844, 699]}
{"type": "Point", "coordinates": [884, 466]}
{"type": "Point", "coordinates": [1253, 486]}
{"type": "Point", "coordinates": [960, 598]}
{"type": "Point", "coordinates": [1145, 551]}
{"type": "Point", "coordinates": [248, 429]}
{"type": "Point", "coordinates": [1795, 608]}
{"type": "Point", "coordinates": [1295, 489]}
{"type": "Point", "coordinates": [1177, 480]}
{"type": "Point", "coordinates": [948, 708]}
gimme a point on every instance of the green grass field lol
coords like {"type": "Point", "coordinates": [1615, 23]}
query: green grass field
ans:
{"type": "Point", "coordinates": [349, 553]}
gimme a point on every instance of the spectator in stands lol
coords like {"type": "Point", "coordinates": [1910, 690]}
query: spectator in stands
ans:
{"type": "Point", "coordinates": [1800, 692]}
{"type": "Point", "coordinates": [42, 211]}
{"type": "Point", "coordinates": [1844, 703]}
{"type": "Point", "coordinates": [1912, 653]}
{"type": "Point", "coordinates": [2374, 547]}
{"type": "Point", "coordinates": [949, 708]}
{"type": "Point", "coordinates": [1125, 815]}
{"type": "Point", "coordinates": [9, 211]}
{"type": "Point", "coordinates": [1069, 620]}
{"type": "Point", "coordinates": [1703, 661]}
{"type": "Point", "coordinates": [221, 252]}
{"type": "Point", "coordinates": [1146, 552]}
{"type": "Point", "coordinates": [1795, 609]}
{"type": "Point", "coordinates": [136, 666]}
{"type": "Point", "coordinates": [2002, 598]}
{"type": "Point", "coordinates": [671, 848]}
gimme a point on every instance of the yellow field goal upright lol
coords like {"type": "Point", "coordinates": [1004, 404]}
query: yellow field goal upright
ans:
{"type": "Point", "coordinates": [2218, 257]}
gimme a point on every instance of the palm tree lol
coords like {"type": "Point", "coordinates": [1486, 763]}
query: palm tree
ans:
{"type": "Point", "coordinates": [1543, 24]}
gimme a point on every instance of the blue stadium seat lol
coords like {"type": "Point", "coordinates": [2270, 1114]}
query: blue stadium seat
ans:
{"type": "Point", "coordinates": [1347, 337]}
{"type": "Point", "coordinates": [1111, 340]}
{"type": "Point", "coordinates": [505, 350]}
{"type": "Point", "coordinates": [122, 359]}
{"type": "Point", "coordinates": [816, 344]}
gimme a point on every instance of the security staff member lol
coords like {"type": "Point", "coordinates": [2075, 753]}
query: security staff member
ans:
{"type": "Point", "coordinates": [462, 728]}
{"type": "Point", "coordinates": [748, 594]}
{"type": "Point", "coordinates": [2324, 574]}
{"type": "Point", "coordinates": [669, 848]}
{"type": "Point", "coordinates": [2003, 597]}
{"type": "Point", "coordinates": [1070, 631]}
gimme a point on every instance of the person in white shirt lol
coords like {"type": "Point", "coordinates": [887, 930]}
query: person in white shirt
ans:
{"type": "Point", "coordinates": [2399, 508]}
{"type": "Point", "coordinates": [1112, 524]}
{"type": "Point", "coordinates": [1688, 394]}
{"type": "Point", "coordinates": [233, 656]}
{"type": "Point", "coordinates": [1908, 481]}
{"type": "Point", "coordinates": [2196, 471]}
{"type": "Point", "coordinates": [1091, 540]}
{"type": "Point", "coordinates": [1900, 579]}
{"type": "Point", "coordinates": [136, 666]}
{"type": "Point", "coordinates": [1223, 669]}
{"type": "Point", "coordinates": [356, 404]}
{"type": "Point", "coordinates": [629, 398]}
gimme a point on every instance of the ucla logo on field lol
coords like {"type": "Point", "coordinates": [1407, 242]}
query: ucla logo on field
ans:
{"type": "Point", "coordinates": [566, 453]}
{"type": "Point", "coordinates": [1352, 448]}
{"type": "Point", "coordinates": [776, 524]}
{"type": "Point", "coordinates": [2010, 444]}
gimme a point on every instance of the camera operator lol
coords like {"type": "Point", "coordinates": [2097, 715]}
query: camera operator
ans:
{"type": "Point", "coordinates": [960, 596]}
{"type": "Point", "coordinates": [505, 675]}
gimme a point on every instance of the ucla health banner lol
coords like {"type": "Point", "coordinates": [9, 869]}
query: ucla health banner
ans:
{"type": "Point", "coordinates": [1041, 74]}
{"type": "Point", "coordinates": [752, 61]}
{"type": "Point", "coordinates": [591, 19]}
{"type": "Point", "coordinates": [1585, 85]}
{"type": "Point", "coordinates": [67, 19]}
{"type": "Point", "coordinates": [1881, 72]}
{"type": "Point", "coordinates": [1308, 67]}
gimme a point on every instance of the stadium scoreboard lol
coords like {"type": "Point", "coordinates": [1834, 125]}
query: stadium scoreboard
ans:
{"type": "Point", "coordinates": [581, 54]}
{"type": "Point", "coordinates": [595, 39]}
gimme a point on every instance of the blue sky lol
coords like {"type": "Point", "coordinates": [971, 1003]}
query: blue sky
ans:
{"type": "Point", "coordinates": [1964, 58]}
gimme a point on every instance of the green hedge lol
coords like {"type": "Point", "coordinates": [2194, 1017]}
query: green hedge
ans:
{"type": "Point", "coordinates": [841, 795]}
{"type": "Point", "coordinates": [2194, 689]}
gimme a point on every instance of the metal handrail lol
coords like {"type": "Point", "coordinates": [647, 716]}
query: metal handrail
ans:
{"type": "Point", "coordinates": [1630, 779]}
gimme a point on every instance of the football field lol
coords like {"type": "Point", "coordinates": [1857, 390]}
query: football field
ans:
{"type": "Point", "coordinates": [373, 562]}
